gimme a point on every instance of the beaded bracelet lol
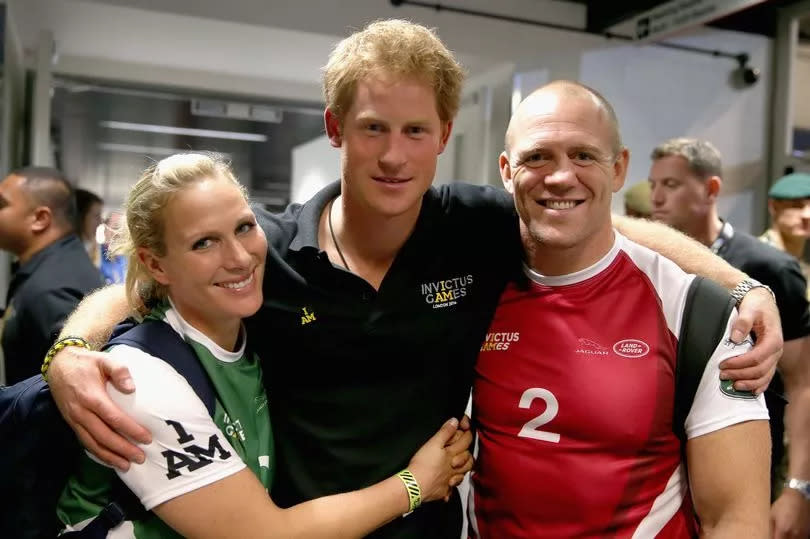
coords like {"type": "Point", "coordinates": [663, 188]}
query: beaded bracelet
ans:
{"type": "Point", "coordinates": [57, 347]}
{"type": "Point", "coordinates": [412, 486]}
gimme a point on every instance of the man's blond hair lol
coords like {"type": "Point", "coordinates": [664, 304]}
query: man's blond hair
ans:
{"type": "Point", "coordinates": [392, 48]}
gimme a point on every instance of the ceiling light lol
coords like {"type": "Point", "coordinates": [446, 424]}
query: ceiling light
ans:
{"type": "Point", "coordinates": [146, 150]}
{"type": "Point", "coordinates": [170, 130]}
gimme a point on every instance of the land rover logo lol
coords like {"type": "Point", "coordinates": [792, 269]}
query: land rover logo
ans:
{"type": "Point", "coordinates": [631, 348]}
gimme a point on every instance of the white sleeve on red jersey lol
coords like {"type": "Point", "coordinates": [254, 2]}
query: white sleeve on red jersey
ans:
{"type": "Point", "coordinates": [712, 409]}
{"type": "Point", "coordinates": [182, 457]}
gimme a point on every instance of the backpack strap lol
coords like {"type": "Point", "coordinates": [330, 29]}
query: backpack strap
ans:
{"type": "Point", "coordinates": [708, 306]}
{"type": "Point", "coordinates": [111, 516]}
{"type": "Point", "coordinates": [158, 339]}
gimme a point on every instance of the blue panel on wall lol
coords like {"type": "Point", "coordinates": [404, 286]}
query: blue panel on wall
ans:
{"type": "Point", "coordinates": [801, 139]}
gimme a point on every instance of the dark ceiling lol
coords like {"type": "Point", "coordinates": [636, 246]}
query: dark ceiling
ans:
{"type": "Point", "coordinates": [758, 19]}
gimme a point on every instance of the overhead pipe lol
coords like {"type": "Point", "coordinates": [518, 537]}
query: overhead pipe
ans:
{"type": "Point", "coordinates": [741, 58]}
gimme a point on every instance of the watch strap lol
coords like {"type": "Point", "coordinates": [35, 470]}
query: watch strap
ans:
{"type": "Point", "coordinates": [745, 286]}
{"type": "Point", "coordinates": [799, 484]}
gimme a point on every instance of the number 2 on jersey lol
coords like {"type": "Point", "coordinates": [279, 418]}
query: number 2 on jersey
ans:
{"type": "Point", "coordinates": [530, 430]}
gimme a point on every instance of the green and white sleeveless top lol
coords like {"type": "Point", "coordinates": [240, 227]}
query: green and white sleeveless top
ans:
{"type": "Point", "coordinates": [189, 448]}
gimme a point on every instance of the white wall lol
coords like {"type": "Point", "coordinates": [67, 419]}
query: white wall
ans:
{"type": "Point", "coordinates": [479, 128]}
{"type": "Point", "coordinates": [525, 82]}
{"type": "Point", "coordinates": [801, 88]}
{"type": "Point", "coordinates": [315, 164]}
{"type": "Point", "coordinates": [661, 93]}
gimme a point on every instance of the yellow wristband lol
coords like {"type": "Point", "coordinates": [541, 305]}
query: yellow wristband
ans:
{"type": "Point", "coordinates": [412, 486]}
{"type": "Point", "coordinates": [58, 346]}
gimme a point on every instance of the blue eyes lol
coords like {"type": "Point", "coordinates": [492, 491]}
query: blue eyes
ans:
{"type": "Point", "coordinates": [537, 159]}
{"type": "Point", "coordinates": [665, 184]}
{"type": "Point", "coordinates": [204, 243]}
{"type": "Point", "coordinates": [245, 227]}
{"type": "Point", "coordinates": [379, 128]}
{"type": "Point", "coordinates": [201, 244]}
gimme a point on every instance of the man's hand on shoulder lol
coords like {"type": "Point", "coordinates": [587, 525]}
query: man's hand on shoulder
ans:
{"type": "Point", "coordinates": [753, 370]}
{"type": "Point", "coordinates": [77, 378]}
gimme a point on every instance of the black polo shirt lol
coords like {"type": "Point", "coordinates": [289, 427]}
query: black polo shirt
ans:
{"type": "Point", "coordinates": [782, 273]}
{"type": "Point", "coordinates": [42, 293]}
{"type": "Point", "coordinates": [772, 267]}
{"type": "Point", "coordinates": [359, 379]}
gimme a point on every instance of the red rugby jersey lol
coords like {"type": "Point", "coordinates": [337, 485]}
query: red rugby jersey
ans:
{"type": "Point", "coordinates": [573, 401]}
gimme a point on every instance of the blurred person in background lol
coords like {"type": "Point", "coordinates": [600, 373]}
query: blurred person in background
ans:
{"type": "Point", "coordinates": [789, 208]}
{"type": "Point", "coordinates": [686, 179]}
{"type": "Point", "coordinates": [37, 216]}
{"type": "Point", "coordinates": [637, 201]}
{"type": "Point", "coordinates": [113, 267]}
{"type": "Point", "coordinates": [88, 218]}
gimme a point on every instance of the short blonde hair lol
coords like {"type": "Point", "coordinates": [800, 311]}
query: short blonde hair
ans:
{"type": "Point", "coordinates": [392, 47]}
{"type": "Point", "coordinates": [143, 224]}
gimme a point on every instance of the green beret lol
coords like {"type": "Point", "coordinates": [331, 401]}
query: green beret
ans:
{"type": "Point", "coordinates": [796, 185]}
{"type": "Point", "coordinates": [637, 198]}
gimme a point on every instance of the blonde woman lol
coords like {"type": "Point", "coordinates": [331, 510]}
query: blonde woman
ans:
{"type": "Point", "coordinates": [196, 262]}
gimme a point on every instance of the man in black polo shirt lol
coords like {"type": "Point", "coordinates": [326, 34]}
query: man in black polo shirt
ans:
{"type": "Point", "coordinates": [686, 177]}
{"type": "Point", "coordinates": [378, 290]}
{"type": "Point", "coordinates": [37, 211]}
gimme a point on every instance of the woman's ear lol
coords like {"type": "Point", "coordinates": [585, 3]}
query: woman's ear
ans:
{"type": "Point", "coordinates": [153, 265]}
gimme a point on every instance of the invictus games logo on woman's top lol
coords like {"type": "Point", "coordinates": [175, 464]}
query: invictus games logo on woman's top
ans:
{"type": "Point", "coordinates": [447, 292]}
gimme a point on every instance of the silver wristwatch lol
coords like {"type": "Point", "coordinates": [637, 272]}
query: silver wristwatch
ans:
{"type": "Point", "coordinates": [745, 286]}
{"type": "Point", "coordinates": [801, 485]}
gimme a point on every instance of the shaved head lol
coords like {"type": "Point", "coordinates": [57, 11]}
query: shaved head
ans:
{"type": "Point", "coordinates": [546, 96]}
{"type": "Point", "coordinates": [563, 162]}
{"type": "Point", "coordinates": [49, 187]}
